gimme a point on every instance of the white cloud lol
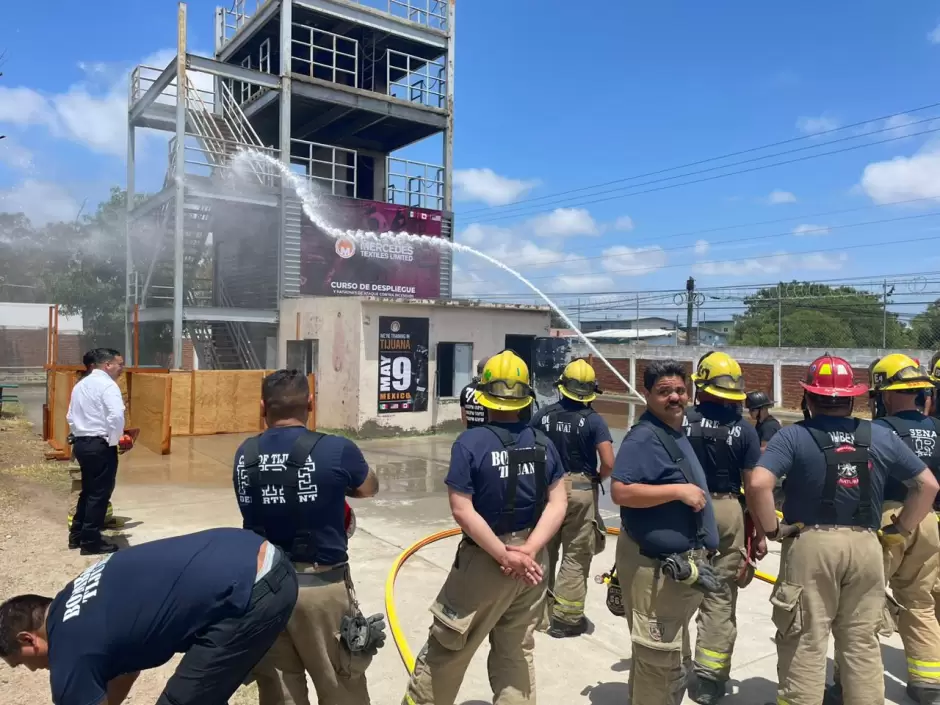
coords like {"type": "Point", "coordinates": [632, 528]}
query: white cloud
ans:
{"type": "Point", "coordinates": [42, 202]}
{"type": "Point", "coordinates": [92, 113]}
{"type": "Point", "coordinates": [810, 229]}
{"type": "Point", "coordinates": [15, 155]}
{"type": "Point", "coordinates": [468, 283]}
{"type": "Point", "coordinates": [900, 125]}
{"type": "Point", "coordinates": [904, 178]}
{"type": "Point", "coordinates": [624, 224]}
{"type": "Point", "coordinates": [777, 197]}
{"type": "Point", "coordinates": [814, 125]}
{"type": "Point", "coordinates": [487, 186]}
{"type": "Point", "coordinates": [633, 261]}
{"type": "Point", "coordinates": [582, 282]}
{"type": "Point", "coordinates": [774, 264]}
{"type": "Point", "coordinates": [934, 35]}
{"type": "Point", "coordinates": [478, 233]}
{"type": "Point", "coordinates": [563, 222]}
{"type": "Point", "coordinates": [701, 247]}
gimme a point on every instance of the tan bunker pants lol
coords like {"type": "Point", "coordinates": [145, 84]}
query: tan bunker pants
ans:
{"type": "Point", "coordinates": [578, 540]}
{"type": "Point", "coordinates": [311, 644]}
{"type": "Point", "coordinates": [716, 625]}
{"type": "Point", "coordinates": [831, 581]}
{"type": "Point", "coordinates": [479, 602]}
{"type": "Point", "coordinates": [912, 571]}
{"type": "Point", "coordinates": [658, 610]}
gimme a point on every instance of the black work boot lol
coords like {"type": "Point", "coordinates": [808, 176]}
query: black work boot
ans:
{"type": "Point", "coordinates": [833, 694]}
{"type": "Point", "coordinates": [705, 691]}
{"type": "Point", "coordinates": [100, 547]}
{"type": "Point", "coordinates": [925, 695]}
{"type": "Point", "coordinates": [561, 630]}
{"type": "Point", "coordinates": [75, 540]}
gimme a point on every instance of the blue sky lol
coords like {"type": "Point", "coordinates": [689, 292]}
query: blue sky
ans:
{"type": "Point", "coordinates": [553, 96]}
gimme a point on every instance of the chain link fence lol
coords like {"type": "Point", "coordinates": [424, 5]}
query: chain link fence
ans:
{"type": "Point", "coordinates": [901, 312]}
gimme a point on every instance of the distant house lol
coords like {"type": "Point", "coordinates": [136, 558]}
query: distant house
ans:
{"type": "Point", "coordinates": [707, 336]}
{"type": "Point", "coordinates": [643, 336]}
{"type": "Point", "coordinates": [647, 323]}
{"type": "Point", "coordinates": [719, 326]}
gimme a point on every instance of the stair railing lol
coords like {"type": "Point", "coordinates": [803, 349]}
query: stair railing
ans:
{"type": "Point", "coordinates": [244, 348]}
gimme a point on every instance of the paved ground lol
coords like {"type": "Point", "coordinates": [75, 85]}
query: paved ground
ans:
{"type": "Point", "coordinates": [191, 489]}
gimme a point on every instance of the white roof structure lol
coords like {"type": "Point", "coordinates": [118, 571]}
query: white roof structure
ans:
{"type": "Point", "coordinates": [628, 333]}
{"type": "Point", "coordinates": [36, 316]}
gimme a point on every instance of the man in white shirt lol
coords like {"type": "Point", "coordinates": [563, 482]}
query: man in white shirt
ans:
{"type": "Point", "coordinates": [96, 419]}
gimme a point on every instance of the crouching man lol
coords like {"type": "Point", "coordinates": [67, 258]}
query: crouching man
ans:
{"type": "Point", "coordinates": [220, 597]}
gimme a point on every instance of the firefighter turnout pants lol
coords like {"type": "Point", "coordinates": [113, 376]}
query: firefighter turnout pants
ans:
{"type": "Point", "coordinates": [912, 571]}
{"type": "Point", "coordinates": [831, 581]}
{"type": "Point", "coordinates": [716, 626]}
{"type": "Point", "coordinates": [479, 602]}
{"type": "Point", "coordinates": [577, 543]}
{"type": "Point", "coordinates": [311, 644]}
{"type": "Point", "coordinates": [658, 611]}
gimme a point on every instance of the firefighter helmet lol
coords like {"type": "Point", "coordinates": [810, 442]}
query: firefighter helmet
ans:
{"type": "Point", "coordinates": [831, 376]}
{"type": "Point", "coordinates": [578, 382]}
{"type": "Point", "coordinates": [720, 375]}
{"type": "Point", "coordinates": [504, 384]}
{"type": "Point", "coordinates": [898, 371]}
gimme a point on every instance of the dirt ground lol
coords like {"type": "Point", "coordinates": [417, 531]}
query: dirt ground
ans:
{"type": "Point", "coordinates": [34, 555]}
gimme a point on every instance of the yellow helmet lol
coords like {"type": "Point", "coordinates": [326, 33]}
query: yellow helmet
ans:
{"type": "Point", "coordinates": [720, 375]}
{"type": "Point", "coordinates": [935, 367]}
{"type": "Point", "coordinates": [504, 384]}
{"type": "Point", "coordinates": [898, 371]}
{"type": "Point", "coordinates": [578, 382]}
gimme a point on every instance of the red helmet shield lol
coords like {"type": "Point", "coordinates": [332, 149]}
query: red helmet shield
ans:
{"type": "Point", "coordinates": [831, 376]}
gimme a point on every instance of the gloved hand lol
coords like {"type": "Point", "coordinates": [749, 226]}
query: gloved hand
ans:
{"type": "Point", "coordinates": [785, 530]}
{"type": "Point", "coordinates": [363, 635]}
{"type": "Point", "coordinates": [892, 535]}
{"type": "Point", "coordinates": [699, 575]}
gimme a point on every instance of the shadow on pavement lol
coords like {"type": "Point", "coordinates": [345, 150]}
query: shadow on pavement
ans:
{"type": "Point", "coordinates": [751, 691]}
{"type": "Point", "coordinates": [895, 663]}
{"type": "Point", "coordinates": [615, 693]}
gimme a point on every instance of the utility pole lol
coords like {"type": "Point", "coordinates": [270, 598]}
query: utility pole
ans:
{"type": "Point", "coordinates": [779, 317]}
{"type": "Point", "coordinates": [690, 299]}
{"type": "Point", "coordinates": [884, 315]}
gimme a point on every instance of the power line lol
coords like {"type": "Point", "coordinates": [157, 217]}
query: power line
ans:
{"type": "Point", "coordinates": [699, 162]}
{"type": "Point", "coordinates": [702, 161]}
{"type": "Point", "coordinates": [635, 251]}
{"type": "Point", "coordinates": [715, 177]}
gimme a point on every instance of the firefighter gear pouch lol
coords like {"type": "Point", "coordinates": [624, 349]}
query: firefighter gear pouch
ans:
{"type": "Point", "coordinates": [614, 593]}
{"type": "Point", "coordinates": [788, 613]}
{"type": "Point", "coordinates": [658, 634]}
{"type": "Point", "coordinates": [450, 625]}
{"type": "Point", "coordinates": [890, 616]}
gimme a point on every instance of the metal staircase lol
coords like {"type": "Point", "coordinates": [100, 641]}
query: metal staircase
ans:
{"type": "Point", "coordinates": [220, 131]}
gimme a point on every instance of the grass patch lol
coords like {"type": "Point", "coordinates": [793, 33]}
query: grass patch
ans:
{"type": "Point", "coordinates": [13, 410]}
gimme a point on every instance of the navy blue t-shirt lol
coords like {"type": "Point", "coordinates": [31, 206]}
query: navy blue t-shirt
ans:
{"type": "Point", "coordinates": [793, 453]}
{"type": "Point", "coordinates": [743, 443]}
{"type": "Point", "coordinates": [479, 467]}
{"type": "Point", "coordinates": [671, 527]}
{"type": "Point", "coordinates": [591, 430]}
{"type": "Point", "coordinates": [923, 438]}
{"type": "Point", "coordinates": [136, 608]}
{"type": "Point", "coordinates": [337, 465]}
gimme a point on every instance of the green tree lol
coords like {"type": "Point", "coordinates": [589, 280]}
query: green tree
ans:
{"type": "Point", "coordinates": [817, 315]}
{"type": "Point", "coordinates": [925, 327]}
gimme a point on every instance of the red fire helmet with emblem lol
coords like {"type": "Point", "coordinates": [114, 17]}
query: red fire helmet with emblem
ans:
{"type": "Point", "coordinates": [831, 376]}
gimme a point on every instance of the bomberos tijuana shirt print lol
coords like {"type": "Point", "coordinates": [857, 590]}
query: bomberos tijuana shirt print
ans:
{"type": "Point", "coordinates": [403, 364]}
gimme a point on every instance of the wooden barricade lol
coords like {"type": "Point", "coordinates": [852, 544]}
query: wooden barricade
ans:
{"type": "Point", "coordinates": [163, 404]}
{"type": "Point", "coordinates": [150, 410]}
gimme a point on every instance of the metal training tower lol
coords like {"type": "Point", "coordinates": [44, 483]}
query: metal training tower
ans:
{"type": "Point", "coordinates": [330, 88]}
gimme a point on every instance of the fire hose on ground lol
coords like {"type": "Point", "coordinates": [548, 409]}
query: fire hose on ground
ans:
{"type": "Point", "coordinates": [394, 626]}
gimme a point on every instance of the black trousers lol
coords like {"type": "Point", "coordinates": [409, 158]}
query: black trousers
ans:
{"type": "Point", "coordinates": [99, 464]}
{"type": "Point", "coordinates": [222, 655]}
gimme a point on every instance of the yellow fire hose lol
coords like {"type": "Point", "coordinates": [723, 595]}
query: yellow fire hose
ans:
{"type": "Point", "coordinates": [401, 644]}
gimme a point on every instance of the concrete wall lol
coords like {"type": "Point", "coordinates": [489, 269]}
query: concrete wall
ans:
{"type": "Point", "coordinates": [777, 371]}
{"type": "Point", "coordinates": [337, 325]}
{"type": "Point", "coordinates": [486, 328]}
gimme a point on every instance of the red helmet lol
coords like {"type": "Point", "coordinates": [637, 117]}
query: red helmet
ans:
{"type": "Point", "coordinates": [831, 376]}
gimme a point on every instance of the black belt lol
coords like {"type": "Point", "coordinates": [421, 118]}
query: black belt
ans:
{"type": "Point", "coordinates": [326, 577]}
{"type": "Point", "coordinates": [273, 579]}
